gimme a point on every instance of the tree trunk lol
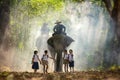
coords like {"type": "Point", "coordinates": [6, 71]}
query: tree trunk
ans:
{"type": "Point", "coordinates": [118, 20]}
{"type": "Point", "coordinates": [4, 17]}
{"type": "Point", "coordinates": [115, 15]}
{"type": "Point", "coordinates": [108, 5]}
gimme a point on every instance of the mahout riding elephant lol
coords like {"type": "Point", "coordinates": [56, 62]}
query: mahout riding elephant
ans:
{"type": "Point", "coordinates": [57, 44]}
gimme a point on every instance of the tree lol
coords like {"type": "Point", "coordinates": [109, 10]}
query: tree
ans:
{"type": "Point", "coordinates": [113, 8]}
{"type": "Point", "coordinates": [4, 17]}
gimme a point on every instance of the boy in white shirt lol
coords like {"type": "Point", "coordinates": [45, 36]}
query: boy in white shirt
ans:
{"type": "Point", "coordinates": [71, 60]}
{"type": "Point", "coordinates": [44, 60]}
{"type": "Point", "coordinates": [65, 61]}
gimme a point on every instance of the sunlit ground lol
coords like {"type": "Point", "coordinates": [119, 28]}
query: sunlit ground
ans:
{"type": "Point", "coordinates": [89, 75]}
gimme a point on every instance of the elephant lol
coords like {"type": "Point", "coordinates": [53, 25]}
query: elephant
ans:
{"type": "Point", "coordinates": [57, 44]}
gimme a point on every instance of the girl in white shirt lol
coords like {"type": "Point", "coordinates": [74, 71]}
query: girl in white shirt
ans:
{"type": "Point", "coordinates": [35, 60]}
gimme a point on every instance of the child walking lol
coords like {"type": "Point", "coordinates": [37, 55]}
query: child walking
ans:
{"type": "Point", "coordinates": [35, 59]}
{"type": "Point", "coordinates": [65, 61]}
{"type": "Point", "coordinates": [44, 60]}
{"type": "Point", "coordinates": [71, 60]}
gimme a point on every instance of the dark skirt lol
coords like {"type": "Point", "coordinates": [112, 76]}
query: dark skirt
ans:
{"type": "Point", "coordinates": [71, 64]}
{"type": "Point", "coordinates": [35, 65]}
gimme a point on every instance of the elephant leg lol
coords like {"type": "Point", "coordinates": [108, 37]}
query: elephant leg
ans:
{"type": "Point", "coordinates": [58, 65]}
{"type": "Point", "coordinates": [53, 54]}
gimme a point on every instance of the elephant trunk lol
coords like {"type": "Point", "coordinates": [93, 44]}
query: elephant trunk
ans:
{"type": "Point", "coordinates": [58, 65]}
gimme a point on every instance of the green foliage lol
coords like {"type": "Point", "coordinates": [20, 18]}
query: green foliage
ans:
{"type": "Point", "coordinates": [97, 2]}
{"type": "Point", "coordinates": [78, 0]}
{"type": "Point", "coordinates": [19, 21]}
{"type": "Point", "coordinates": [39, 7]}
{"type": "Point", "coordinates": [22, 12]}
{"type": "Point", "coordinates": [1, 2]}
{"type": "Point", "coordinates": [114, 67]}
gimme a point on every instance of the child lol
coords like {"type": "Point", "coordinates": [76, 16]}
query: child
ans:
{"type": "Point", "coordinates": [35, 60]}
{"type": "Point", "coordinates": [65, 61]}
{"type": "Point", "coordinates": [71, 60]}
{"type": "Point", "coordinates": [44, 60]}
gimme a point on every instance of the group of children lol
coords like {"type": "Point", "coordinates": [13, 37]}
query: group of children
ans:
{"type": "Point", "coordinates": [67, 61]}
{"type": "Point", "coordinates": [43, 61]}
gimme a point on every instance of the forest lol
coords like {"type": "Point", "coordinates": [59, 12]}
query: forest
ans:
{"type": "Point", "coordinates": [94, 24]}
{"type": "Point", "coordinates": [17, 18]}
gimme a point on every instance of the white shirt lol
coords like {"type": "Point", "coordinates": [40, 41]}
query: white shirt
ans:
{"type": "Point", "coordinates": [35, 58]}
{"type": "Point", "coordinates": [71, 57]}
{"type": "Point", "coordinates": [45, 57]}
{"type": "Point", "coordinates": [66, 56]}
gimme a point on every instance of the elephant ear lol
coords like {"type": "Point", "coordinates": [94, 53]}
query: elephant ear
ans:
{"type": "Point", "coordinates": [50, 42]}
{"type": "Point", "coordinates": [68, 40]}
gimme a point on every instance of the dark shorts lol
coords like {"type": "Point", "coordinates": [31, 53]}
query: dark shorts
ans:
{"type": "Point", "coordinates": [71, 64]}
{"type": "Point", "coordinates": [35, 65]}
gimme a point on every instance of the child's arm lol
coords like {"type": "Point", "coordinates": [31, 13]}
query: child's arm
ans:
{"type": "Point", "coordinates": [32, 60]}
{"type": "Point", "coordinates": [39, 59]}
{"type": "Point", "coordinates": [51, 58]}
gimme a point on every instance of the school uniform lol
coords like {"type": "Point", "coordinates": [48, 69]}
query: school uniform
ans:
{"type": "Point", "coordinates": [66, 60]}
{"type": "Point", "coordinates": [45, 59]}
{"type": "Point", "coordinates": [71, 60]}
{"type": "Point", "coordinates": [35, 64]}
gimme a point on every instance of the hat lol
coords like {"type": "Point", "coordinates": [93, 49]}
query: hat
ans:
{"type": "Point", "coordinates": [57, 22]}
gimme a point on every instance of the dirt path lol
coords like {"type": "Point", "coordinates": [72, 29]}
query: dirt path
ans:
{"type": "Point", "coordinates": [89, 75]}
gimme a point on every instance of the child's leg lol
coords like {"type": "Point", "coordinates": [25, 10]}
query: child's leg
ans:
{"type": "Point", "coordinates": [73, 66]}
{"type": "Point", "coordinates": [70, 69]}
{"type": "Point", "coordinates": [35, 70]}
{"type": "Point", "coordinates": [46, 68]}
{"type": "Point", "coordinates": [65, 67]}
{"type": "Point", "coordinates": [73, 69]}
